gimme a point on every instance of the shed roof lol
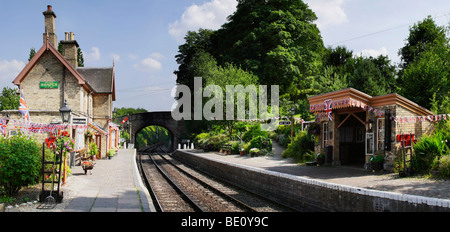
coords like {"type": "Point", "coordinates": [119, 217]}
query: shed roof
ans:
{"type": "Point", "coordinates": [353, 94]}
{"type": "Point", "coordinates": [100, 79]}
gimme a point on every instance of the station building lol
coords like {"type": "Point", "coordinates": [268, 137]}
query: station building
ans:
{"type": "Point", "coordinates": [353, 126]}
{"type": "Point", "coordinates": [51, 79]}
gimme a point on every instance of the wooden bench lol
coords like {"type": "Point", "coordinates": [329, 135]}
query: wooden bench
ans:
{"type": "Point", "coordinates": [226, 149]}
{"type": "Point", "coordinates": [79, 155]}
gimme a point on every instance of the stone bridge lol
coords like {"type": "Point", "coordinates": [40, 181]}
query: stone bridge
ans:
{"type": "Point", "coordinates": [137, 122]}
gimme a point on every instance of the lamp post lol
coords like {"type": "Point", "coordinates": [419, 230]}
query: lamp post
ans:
{"type": "Point", "coordinates": [292, 111]}
{"type": "Point", "coordinates": [114, 113]}
{"type": "Point", "coordinates": [65, 112]}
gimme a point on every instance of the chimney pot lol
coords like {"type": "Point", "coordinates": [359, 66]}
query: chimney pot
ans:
{"type": "Point", "coordinates": [49, 8]}
{"type": "Point", "coordinates": [72, 36]}
{"type": "Point", "coordinates": [67, 35]}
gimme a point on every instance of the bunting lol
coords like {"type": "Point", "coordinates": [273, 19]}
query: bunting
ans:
{"type": "Point", "coordinates": [418, 119]}
{"type": "Point", "coordinates": [27, 127]}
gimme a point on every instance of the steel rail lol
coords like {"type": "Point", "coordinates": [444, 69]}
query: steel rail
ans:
{"type": "Point", "coordinates": [237, 202]}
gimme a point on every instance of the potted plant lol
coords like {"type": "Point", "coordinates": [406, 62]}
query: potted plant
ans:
{"type": "Point", "coordinates": [377, 162]}
{"type": "Point", "coordinates": [93, 150]}
{"type": "Point", "coordinates": [241, 151]}
{"type": "Point", "coordinates": [320, 159]}
{"type": "Point", "coordinates": [111, 153]}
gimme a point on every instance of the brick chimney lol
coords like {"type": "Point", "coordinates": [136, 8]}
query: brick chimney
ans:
{"type": "Point", "coordinates": [70, 48]}
{"type": "Point", "coordinates": [50, 26]}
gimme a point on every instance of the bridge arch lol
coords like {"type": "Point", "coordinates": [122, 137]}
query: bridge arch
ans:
{"type": "Point", "coordinates": [139, 121]}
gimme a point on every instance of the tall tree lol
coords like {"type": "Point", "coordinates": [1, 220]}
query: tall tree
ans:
{"type": "Point", "coordinates": [424, 77]}
{"type": "Point", "coordinates": [276, 40]}
{"type": "Point", "coordinates": [422, 35]}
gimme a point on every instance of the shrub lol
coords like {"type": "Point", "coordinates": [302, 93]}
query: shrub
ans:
{"type": "Point", "coordinates": [20, 163]}
{"type": "Point", "coordinates": [261, 142]}
{"type": "Point", "coordinates": [302, 145]}
{"type": "Point", "coordinates": [235, 147]}
{"type": "Point", "coordinates": [425, 152]}
{"type": "Point", "coordinates": [444, 166]}
{"type": "Point", "coordinates": [253, 132]}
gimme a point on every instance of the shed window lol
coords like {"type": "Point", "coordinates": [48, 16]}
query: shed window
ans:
{"type": "Point", "coordinates": [325, 135]}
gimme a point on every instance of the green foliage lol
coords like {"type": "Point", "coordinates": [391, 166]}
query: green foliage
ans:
{"type": "Point", "coordinates": [235, 147]}
{"type": "Point", "coordinates": [425, 68]}
{"type": "Point", "coordinates": [376, 159]}
{"type": "Point", "coordinates": [9, 100]}
{"type": "Point", "coordinates": [111, 152]}
{"type": "Point", "coordinates": [422, 36]}
{"type": "Point", "coordinates": [425, 151]}
{"type": "Point", "coordinates": [152, 135]}
{"type": "Point", "coordinates": [261, 143]}
{"type": "Point", "coordinates": [32, 54]}
{"type": "Point", "coordinates": [20, 163]}
{"type": "Point", "coordinates": [301, 146]}
{"type": "Point", "coordinates": [93, 149]}
{"type": "Point", "coordinates": [276, 40]}
{"type": "Point", "coordinates": [444, 166]}
{"type": "Point", "coordinates": [253, 131]}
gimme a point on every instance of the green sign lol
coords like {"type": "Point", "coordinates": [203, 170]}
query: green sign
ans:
{"type": "Point", "coordinates": [48, 85]}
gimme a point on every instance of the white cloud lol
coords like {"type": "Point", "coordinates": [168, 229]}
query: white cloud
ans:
{"type": "Point", "coordinates": [328, 12]}
{"type": "Point", "coordinates": [10, 69]}
{"type": "Point", "coordinates": [373, 53]}
{"type": "Point", "coordinates": [93, 56]}
{"type": "Point", "coordinates": [157, 55]}
{"type": "Point", "coordinates": [148, 64]}
{"type": "Point", "coordinates": [209, 15]}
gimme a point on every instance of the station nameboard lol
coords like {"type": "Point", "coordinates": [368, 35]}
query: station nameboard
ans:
{"type": "Point", "coordinates": [285, 123]}
{"type": "Point", "coordinates": [48, 85]}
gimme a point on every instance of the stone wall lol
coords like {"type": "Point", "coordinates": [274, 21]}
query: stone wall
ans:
{"type": "Point", "coordinates": [49, 68]}
{"type": "Point", "coordinates": [311, 195]}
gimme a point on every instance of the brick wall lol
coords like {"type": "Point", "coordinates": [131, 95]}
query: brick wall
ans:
{"type": "Point", "coordinates": [308, 194]}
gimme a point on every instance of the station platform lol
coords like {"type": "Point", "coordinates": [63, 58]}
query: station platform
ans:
{"type": "Point", "coordinates": [353, 176]}
{"type": "Point", "coordinates": [114, 186]}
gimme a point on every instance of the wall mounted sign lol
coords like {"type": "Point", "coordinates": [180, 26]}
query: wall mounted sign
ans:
{"type": "Point", "coordinates": [79, 121]}
{"type": "Point", "coordinates": [48, 85]}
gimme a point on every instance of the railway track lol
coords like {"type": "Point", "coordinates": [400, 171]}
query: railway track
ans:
{"type": "Point", "coordinates": [184, 189]}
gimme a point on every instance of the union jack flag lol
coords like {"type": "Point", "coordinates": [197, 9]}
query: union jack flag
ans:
{"type": "Point", "coordinates": [23, 106]}
{"type": "Point", "coordinates": [328, 108]}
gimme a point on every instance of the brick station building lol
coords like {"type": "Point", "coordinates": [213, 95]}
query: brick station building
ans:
{"type": "Point", "coordinates": [49, 79]}
{"type": "Point", "coordinates": [361, 126]}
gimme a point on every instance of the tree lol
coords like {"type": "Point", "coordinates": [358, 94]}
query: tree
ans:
{"type": "Point", "coordinates": [276, 40]}
{"type": "Point", "coordinates": [9, 100]}
{"type": "Point", "coordinates": [374, 76]}
{"type": "Point", "coordinates": [422, 36]}
{"type": "Point", "coordinates": [196, 42]}
{"type": "Point", "coordinates": [426, 80]}
{"type": "Point", "coordinates": [32, 53]}
{"type": "Point", "coordinates": [424, 77]}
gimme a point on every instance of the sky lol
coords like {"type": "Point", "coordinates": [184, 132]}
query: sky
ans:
{"type": "Point", "coordinates": [142, 37]}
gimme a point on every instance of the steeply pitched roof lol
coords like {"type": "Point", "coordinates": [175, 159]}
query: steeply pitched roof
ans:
{"type": "Point", "coordinates": [49, 47]}
{"type": "Point", "coordinates": [98, 80]}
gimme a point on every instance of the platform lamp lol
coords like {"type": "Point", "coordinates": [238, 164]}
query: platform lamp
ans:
{"type": "Point", "coordinates": [292, 111]}
{"type": "Point", "coordinates": [65, 112]}
{"type": "Point", "coordinates": [114, 112]}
